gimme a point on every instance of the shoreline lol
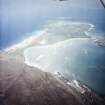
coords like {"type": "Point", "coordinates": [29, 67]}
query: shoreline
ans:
{"type": "Point", "coordinates": [38, 33]}
{"type": "Point", "coordinates": [17, 51]}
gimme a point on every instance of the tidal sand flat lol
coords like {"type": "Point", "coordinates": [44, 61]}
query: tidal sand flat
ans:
{"type": "Point", "coordinates": [53, 32]}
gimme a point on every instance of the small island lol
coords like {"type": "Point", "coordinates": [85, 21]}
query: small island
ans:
{"type": "Point", "coordinates": [100, 41]}
{"type": "Point", "coordinates": [21, 84]}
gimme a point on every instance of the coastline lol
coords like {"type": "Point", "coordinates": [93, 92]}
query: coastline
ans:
{"type": "Point", "coordinates": [17, 51]}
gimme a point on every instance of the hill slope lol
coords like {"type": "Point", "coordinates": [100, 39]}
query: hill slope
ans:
{"type": "Point", "coordinates": [24, 85]}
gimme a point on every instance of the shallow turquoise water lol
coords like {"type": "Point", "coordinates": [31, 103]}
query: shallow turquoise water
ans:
{"type": "Point", "coordinates": [80, 60]}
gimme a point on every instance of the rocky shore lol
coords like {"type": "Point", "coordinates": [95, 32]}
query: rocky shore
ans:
{"type": "Point", "coordinates": [100, 41]}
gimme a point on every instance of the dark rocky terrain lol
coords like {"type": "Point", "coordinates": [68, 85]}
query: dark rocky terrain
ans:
{"type": "Point", "coordinates": [24, 85]}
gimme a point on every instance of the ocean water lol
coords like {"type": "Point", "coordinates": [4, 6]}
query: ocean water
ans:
{"type": "Point", "coordinates": [79, 58]}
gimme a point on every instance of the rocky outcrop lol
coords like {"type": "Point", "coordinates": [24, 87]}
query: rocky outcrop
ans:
{"type": "Point", "coordinates": [100, 41]}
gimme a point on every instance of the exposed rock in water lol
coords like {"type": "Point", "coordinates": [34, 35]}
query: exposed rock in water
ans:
{"type": "Point", "coordinates": [24, 85]}
{"type": "Point", "coordinates": [100, 41]}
